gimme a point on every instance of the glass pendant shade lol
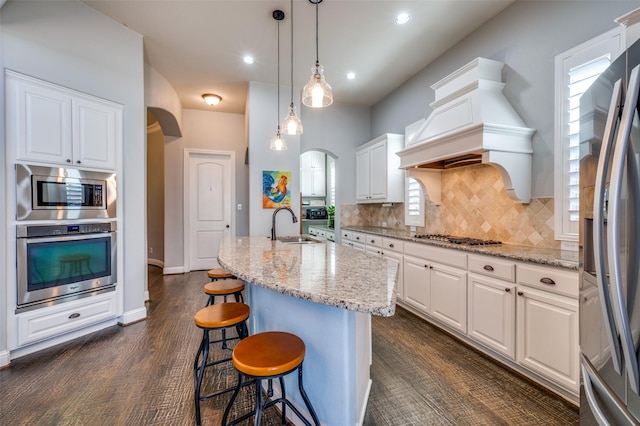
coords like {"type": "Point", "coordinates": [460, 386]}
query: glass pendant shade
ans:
{"type": "Point", "coordinates": [278, 143]}
{"type": "Point", "coordinates": [317, 93]}
{"type": "Point", "coordinates": [292, 124]}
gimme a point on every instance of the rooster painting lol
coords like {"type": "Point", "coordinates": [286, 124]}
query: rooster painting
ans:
{"type": "Point", "coordinates": [274, 189]}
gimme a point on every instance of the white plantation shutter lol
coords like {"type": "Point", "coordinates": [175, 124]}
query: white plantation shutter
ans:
{"type": "Point", "coordinates": [576, 70]}
{"type": "Point", "coordinates": [414, 203]}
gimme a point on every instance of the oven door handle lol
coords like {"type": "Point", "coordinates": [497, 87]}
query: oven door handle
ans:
{"type": "Point", "coordinates": [67, 237]}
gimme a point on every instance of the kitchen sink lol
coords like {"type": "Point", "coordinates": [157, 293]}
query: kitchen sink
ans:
{"type": "Point", "coordinates": [298, 239]}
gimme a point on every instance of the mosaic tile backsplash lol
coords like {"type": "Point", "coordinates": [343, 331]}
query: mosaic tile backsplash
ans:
{"type": "Point", "coordinates": [474, 204]}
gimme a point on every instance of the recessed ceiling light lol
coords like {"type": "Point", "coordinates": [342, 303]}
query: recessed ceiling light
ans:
{"type": "Point", "coordinates": [351, 75]}
{"type": "Point", "coordinates": [248, 59]}
{"type": "Point", "coordinates": [211, 99]}
{"type": "Point", "coordinates": [402, 18]}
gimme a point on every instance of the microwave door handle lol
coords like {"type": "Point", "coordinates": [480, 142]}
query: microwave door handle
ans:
{"type": "Point", "coordinates": [615, 267]}
{"type": "Point", "coordinates": [598, 225]}
{"type": "Point", "coordinates": [591, 380]}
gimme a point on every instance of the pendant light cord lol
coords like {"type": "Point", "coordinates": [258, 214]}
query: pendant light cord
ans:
{"type": "Point", "coordinates": [278, 85]}
{"type": "Point", "coordinates": [291, 52]}
{"type": "Point", "coordinates": [317, 3]}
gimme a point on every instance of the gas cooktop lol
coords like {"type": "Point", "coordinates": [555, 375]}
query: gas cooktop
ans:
{"type": "Point", "coordinates": [457, 240]}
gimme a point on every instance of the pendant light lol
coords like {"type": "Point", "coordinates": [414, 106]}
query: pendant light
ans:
{"type": "Point", "coordinates": [277, 142]}
{"type": "Point", "coordinates": [292, 124]}
{"type": "Point", "coordinates": [317, 92]}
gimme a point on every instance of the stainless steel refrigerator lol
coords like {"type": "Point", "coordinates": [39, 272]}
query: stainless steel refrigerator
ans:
{"type": "Point", "coordinates": [610, 241]}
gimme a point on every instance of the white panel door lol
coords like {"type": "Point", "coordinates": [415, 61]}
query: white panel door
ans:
{"type": "Point", "coordinates": [449, 296]}
{"type": "Point", "coordinates": [378, 171]}
{"type": "Point", "coordinates": [210, 208]}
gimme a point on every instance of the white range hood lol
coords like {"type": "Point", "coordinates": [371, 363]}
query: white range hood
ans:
{"type": "Point", "coordinates": [471, 123]}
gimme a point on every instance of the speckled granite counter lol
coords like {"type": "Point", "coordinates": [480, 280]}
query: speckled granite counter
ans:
{"type": "Point", "coordinates": [325, 294]}
{"type": "Point", "coordinates": [542, 256]}
{"type": "Point", "coordinates": [324, 273]}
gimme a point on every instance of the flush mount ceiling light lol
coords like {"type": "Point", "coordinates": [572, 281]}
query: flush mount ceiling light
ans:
{"type": "Point", "coordinates": [248, 59]}
{"type": "Point", "coordinates": [402, 18]}
{"type": "Point", "coordinates": [317, 92]}
{"type": "Point", "coordinates": [277, 142]}
{"type": "Point", "coordinates": [211, 99]}
{"type": "Point", "coordinates": [292, 124]}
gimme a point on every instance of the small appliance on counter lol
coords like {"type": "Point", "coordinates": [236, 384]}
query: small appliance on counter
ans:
{"type": "Point", "coordinates": [316, 213]}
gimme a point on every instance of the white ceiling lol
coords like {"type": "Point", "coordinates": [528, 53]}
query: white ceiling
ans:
{"type": "Point", "coordinates": [198, 45]}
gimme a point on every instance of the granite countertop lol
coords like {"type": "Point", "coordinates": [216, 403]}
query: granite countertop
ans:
{"type": "Point", "coordinates": [323, 272]}
{"type": "Point", "coordinates": [542, 256]}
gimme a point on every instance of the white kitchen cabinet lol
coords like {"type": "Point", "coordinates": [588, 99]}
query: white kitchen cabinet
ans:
{"type": "Point", "coordinates": [547, 330]}
{"type": "Point", "coordinates": [417, 283]}
{"type": "Point", "coordinates": [449, 296]}
{"type": "Point", "coordinates": [491, 308]}
{"type": "Point", "coordinates": [492, 314]}
{"type": "Point", "coordinates": [313, 179]}
{"type": "Point", "coordinates": [48, 322]}
{"type": "Point", "coordinates": [353, 239]}
{"type": "Point", "coordinates": [378, 177]}
{"type": "Point", "coordinates": [54, 125]}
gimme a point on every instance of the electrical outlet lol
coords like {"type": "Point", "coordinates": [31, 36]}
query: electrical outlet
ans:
{"type": "Point", "coordinates": [384, 224]}
{"type": "Point", "coordinates": [239, 206]}
{"type": "Point", "coordinates": [150, 250]}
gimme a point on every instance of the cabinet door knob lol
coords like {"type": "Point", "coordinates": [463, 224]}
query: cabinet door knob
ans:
{"type": "Point", "coordinates": [487, 268]}
{"type": "Point", "coordinates": [520, 293]}
{"type": "Point", "coordinates": [391, 246]}
{"type": "Point", "coordinates": [78, 161]}
{"type": "Point", "coordinates": [547, 281]}
{"type": "Point", "coordinates": [426, 266]}
{"type": "Point", "coordinates": [373, 241]}
{"type": "Point", "coordinates": [68, 160]}
{"type": "Point", "coordinates": [508, 290]}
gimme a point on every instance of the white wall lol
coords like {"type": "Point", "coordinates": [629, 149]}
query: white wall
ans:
{"type": "Point", "coordinates": [526, 36]}
{"type": "Point", "coordinates": [72, 45]}
{"type": "Point", "coordinates": [4, 239]}
{"type": "Point", "coordinates": [262, 119]}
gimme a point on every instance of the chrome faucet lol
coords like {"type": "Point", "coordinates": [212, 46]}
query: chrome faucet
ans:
{"type": "Point", "coordinates": [273, 220]}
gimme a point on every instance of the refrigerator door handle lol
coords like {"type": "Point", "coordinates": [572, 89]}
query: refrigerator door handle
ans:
{"type": "Point", "coordinates": [592, 380]}
{"type": "Point", "coordinates": [599, 201]}
{"type": "Point", "coordinates": [615, 266]}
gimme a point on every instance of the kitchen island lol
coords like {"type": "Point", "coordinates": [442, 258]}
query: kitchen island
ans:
{"type": "Point", "coordinates": [324, 293]}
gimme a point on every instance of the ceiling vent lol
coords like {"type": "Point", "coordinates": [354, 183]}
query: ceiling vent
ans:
{"type": "Point", "coordinates": [472, 123]}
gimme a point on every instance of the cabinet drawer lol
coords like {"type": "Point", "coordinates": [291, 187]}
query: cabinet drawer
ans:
{"type": "Point", "coordinates": [358, 237]}
{"type": "Point", "coordinates": [393, 245]}
{"type": "Point", "coordinates": [346, 235]}
{"type": "Point", "coordinates": [48, 322]}
{"type": "Point", "coordinates": [549, 279]}
{"type": "Point", "coordinates": [373, 240]}
{"type": "Point", "coordinates": [493, 267]}
{"type": "Point", "coordinates": [443, 256]}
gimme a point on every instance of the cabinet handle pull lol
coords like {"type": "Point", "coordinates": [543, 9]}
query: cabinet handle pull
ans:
{"type": "Point", "coordinates": [548, 281]}
{"type": "Point", "coordinates": [487, 268]}
{"type": "Point", "coordinates": [508, 290]}
{"type": "Point", "coordinates": [74, 315]}
{"type": "Point", "coordinates": [68, 160]}
{"type": "Point", "coordinates": [78, 161]}
{"type": "Point", "coordinates": [357, 238]}
{"type": "Point", "coordinates": [520, 293]}
{"type": "Point", "coordinates": [391, 245]}
{"type": "Point", "coordinates": [373, 241]}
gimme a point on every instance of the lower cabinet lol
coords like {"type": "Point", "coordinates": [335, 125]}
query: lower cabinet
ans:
{"type": "Point", "coordinates": [548, 336]}
{"type": "Point", "coordinates": [417, 283]}
{"type": "Point", "coordinates": [449, 296]}
{"type": "Point", "coordinates": [492, 314]}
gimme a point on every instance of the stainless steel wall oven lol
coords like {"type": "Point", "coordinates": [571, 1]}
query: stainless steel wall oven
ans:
{"type": "Point", "coordinates": [62, 262]}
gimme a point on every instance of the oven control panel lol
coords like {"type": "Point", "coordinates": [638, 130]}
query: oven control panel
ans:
{"type": "Point", "coordinates": [32, 231]}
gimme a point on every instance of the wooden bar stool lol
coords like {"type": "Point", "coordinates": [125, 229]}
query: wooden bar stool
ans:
{"type": "Point", "coordinates": [219, 274]}
{"type": "Point", "coordinates": [267, 356]}
{"type": "Point", "coordinates": [224, 288]}
{"type": "Point", "coordinates": [216, 317]}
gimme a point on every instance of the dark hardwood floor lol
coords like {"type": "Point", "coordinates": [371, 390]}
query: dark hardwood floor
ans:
{"type": "Point", "coordinates": [142, 375]}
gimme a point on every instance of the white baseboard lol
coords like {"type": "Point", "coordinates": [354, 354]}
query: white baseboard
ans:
{"type": "Point", "coordinates": [130, 317]}
{"type": "Point", "coordinates": [174, 270]}
{"type": "Point", "coordinates": [5, 358]}
{"type": "Point", "coordinates": [146, 295]}
{"type": "Point", "coordinates": [155, 262]}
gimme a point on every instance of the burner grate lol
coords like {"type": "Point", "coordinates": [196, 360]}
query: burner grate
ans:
{"type": "Point", "coordinates": [457, 240]}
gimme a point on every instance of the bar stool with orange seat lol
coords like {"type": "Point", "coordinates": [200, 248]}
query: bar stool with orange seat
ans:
{"type": "Point", "coordinates": [224, 288]}
{"type": "Point", "coordinates": [219, 274]}
{"type": "Point", "coordinates": [267, 356]}
{"type": "Point", "coordinates": [221, 316]}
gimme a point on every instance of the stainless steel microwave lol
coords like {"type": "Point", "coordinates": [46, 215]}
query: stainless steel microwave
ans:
{"type": "Point", "coordinates": [57, 193]}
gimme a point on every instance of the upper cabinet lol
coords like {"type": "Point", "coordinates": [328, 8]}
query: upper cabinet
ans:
{"type": "Point", "coordinates": [313, 178]}
{"type": "Point", "coordinates": [378, 177]}
{"type": "Point", "coordinates": [51, 124]}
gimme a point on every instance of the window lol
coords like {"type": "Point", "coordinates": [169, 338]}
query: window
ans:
{"type": "Point", "coordinates": [575, 70]}
{"type": "Point", "coordinates": [414, 203]}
